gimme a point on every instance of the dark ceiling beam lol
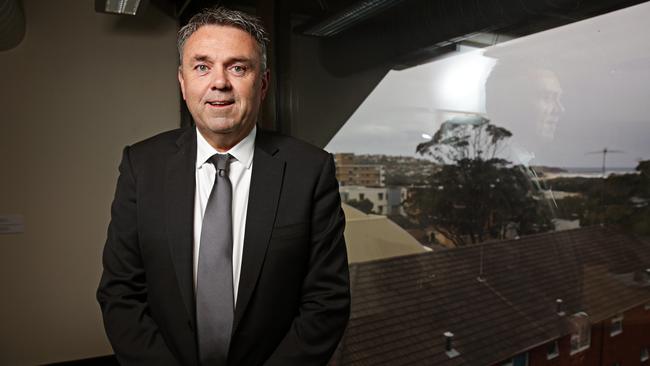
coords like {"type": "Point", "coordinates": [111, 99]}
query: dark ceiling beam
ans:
{"type": "Point", "coordinates": [419, 30]}
{"type": "Point", "coordinates": [346, 17]}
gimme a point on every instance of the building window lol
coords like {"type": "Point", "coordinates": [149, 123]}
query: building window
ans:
{"type": "Point", "coordinates": [362, 196]}
{"type": "Point", "coordinates": [580, 332]}
{"type": "Point", "coordinates": [380, 196]}
{"type": "Point", "coordinates": [518, 360]}
{"type": "Point", "coordinates": [552, 350]}
{"type": "Point", "coordinates": [540, 142]}
{"type": "Point", "coordinates": [380, 208]}
{"type": "Point", "coordinates": [644, 354]}
{"type": "Point", "coordinates": [617, 326]}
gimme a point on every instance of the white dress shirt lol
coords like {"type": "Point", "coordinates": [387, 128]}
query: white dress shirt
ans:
{"type": "Point", "coordinates": [240, 178]}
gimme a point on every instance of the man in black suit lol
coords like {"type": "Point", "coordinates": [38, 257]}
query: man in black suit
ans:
{"type": "Point", "coordinates": [290, 288]}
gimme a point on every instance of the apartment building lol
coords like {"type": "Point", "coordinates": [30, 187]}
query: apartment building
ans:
{"type": "Point", "coordinates": [349, 173]}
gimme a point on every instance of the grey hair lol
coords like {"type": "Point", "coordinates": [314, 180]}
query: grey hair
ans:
{"type": "Point", "coordinates": [220, 15]}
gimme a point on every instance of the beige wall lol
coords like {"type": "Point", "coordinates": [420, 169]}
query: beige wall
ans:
{"type": "Point", "coordinates": [78, 88]}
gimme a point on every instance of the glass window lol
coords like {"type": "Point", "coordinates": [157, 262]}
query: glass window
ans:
{"type": "Point", "coordinates": [522, 166]}
{"type": "Point", "coordinates": [552, 350]}
{"type": "Point", "coordinates": [518, 360]}
{"type": "Point", "coordinates": [616, 326]}
{"type": "Point", "coordinates": [580, 332]}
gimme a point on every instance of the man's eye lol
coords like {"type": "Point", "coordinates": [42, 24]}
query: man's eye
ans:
{"type": "Point", "coordinates": [237, 69]}
{"type": "Point", "coordinates": [201, 68]}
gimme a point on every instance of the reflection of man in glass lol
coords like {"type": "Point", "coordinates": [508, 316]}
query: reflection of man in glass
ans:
{"type": "Point", "coordinates": [517, 96]}
{"type": "Point", "coordinates": [548, 104]}
{"type": "Point", "coordinates": [525, 100]}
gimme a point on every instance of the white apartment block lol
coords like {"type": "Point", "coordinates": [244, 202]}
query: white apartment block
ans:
{"type": "Point", "coordinates": [385, 200]}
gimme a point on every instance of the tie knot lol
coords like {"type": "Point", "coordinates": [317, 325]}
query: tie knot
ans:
{"type": "Point", "coordinates": [221, 163]}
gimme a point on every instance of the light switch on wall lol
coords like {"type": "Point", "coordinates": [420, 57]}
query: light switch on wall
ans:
{"type": "Point", "coordinates": [12, 224]}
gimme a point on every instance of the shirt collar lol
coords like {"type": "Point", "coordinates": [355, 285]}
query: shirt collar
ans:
{"type": "Point", "coordinates": [242, 152]}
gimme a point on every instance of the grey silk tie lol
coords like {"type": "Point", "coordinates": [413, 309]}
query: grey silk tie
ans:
{"type": "Point", "coordinates": [214, 285]}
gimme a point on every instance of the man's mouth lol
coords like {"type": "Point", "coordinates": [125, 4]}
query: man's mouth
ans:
{"type": "Point", "coordinates": [220, 103]}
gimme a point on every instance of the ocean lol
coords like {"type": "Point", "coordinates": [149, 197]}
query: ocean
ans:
{"type": "Point", "coordinates": [590, 172]}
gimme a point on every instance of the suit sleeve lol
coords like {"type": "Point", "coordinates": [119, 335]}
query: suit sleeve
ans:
{"type": "Point", "coordinates": [325, 304]}
{"type": "Point", "coordinates": [122, 292]}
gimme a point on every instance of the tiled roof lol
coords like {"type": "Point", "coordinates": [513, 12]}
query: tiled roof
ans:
{"type": "Point", "coordinates": [402, 306]}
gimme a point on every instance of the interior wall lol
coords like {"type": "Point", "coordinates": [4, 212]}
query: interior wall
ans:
{"type": "Point", "coordinates": [78, 88]}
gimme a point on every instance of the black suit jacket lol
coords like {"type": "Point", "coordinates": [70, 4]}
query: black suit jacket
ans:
{"type": "Point", "coordinates": [293, 300]}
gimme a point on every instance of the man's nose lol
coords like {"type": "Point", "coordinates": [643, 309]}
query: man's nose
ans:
{"type": "Point", "coordinates": [558, 104]}
{"type": "Point", "coordinates": [220, 80]}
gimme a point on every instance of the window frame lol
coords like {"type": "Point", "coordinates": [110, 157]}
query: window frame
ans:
{"type": "Point", "coordinates": [583, 333]}
{"type": "Point", "coordinates": [615, 330]}
{"type": "Point", "coordinates": [511, 360]}
{"type": "Point", "coordinates": [556, 350]}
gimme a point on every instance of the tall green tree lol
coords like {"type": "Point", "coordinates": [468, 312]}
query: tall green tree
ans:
{"type": "Point", "coordinates": [473, 138]}
{"type": "Point", "coordinates": [622, 200]}
{"type": "Point", "coordinates": [475, 196]}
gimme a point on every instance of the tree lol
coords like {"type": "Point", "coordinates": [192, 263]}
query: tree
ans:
{"type": "Point", "coordinates": [475, 196]}
{"type": "Point", "coordinates": [623, 200]}
{"type": "Point", "coordinates": [643, 188]}
{"type": "Point", "coordinates": [465, 138]}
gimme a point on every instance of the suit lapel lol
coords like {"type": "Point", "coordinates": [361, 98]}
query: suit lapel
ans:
{"type": "Point", "coordinates": [266, 183]}
{"type": "Point", "coordinates": [179, 214]}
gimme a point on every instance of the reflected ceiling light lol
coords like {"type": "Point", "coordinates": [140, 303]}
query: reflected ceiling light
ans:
{"type": "Point", "coordinates": [348, 17]}
{"type": "Point", "coordinates": [462, 84]}
{"type": "Point", "coordinates": [129, 7]}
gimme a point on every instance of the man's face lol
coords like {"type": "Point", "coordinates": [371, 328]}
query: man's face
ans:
{"type": "Point", "coordinates": [222, 81]}
{"type": "Point", "coordinates": [548, 105]}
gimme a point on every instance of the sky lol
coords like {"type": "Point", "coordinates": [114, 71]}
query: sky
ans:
{"type": "Point", "coordinates": [565, 94]}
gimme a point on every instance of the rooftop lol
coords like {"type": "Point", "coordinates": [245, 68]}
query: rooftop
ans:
{"type": "Point", "coordinates": [371, 237]}
{"type": "Point", "coordinates": [402, 306]}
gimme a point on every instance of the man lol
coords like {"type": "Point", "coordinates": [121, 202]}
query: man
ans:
{"type": "Point", "coordinates": [226, 242]}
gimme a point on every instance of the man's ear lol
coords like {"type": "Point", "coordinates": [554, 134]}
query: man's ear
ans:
{"type": "Point", "coordinates": [181, 81]}
{"type": "Point", "coordinates": [266, 78]}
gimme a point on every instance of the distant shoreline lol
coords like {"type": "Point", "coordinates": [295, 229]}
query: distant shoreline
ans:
{"type": "Point", "coordinates": [587, 172]}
